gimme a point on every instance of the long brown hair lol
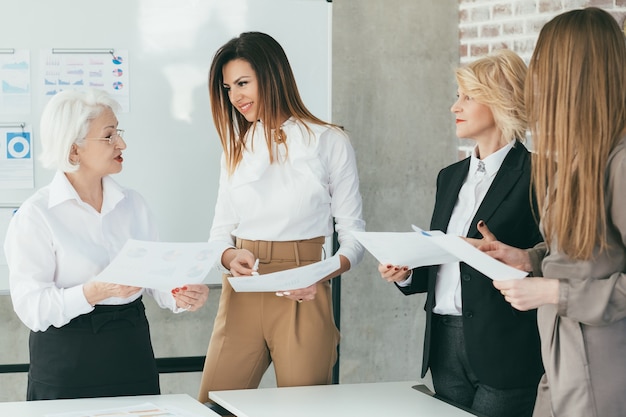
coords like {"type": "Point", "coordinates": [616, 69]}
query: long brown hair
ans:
{"type": "Point", "coordinates": [576, 103]}
{"type": "Point", "coordinates": [277, 92]}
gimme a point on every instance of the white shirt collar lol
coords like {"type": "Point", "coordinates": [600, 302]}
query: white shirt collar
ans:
{"type": "Point", "coordinates": [61, 190]}
{"type": "Point", "coordinates": [493, 162]}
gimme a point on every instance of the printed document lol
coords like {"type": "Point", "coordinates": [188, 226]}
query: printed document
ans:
{"type": "Point", "coordinates": [160, 265]}
{"type": "Point", "coordinates": [290, 279]}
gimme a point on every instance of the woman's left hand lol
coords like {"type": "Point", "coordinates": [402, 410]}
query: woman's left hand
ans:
{"type": "Point", "coordinates": [191, 297]}
{"type": "Point", "coordinates": [300, 295]}
{"type": "Point", "coordinates": [529, 293]}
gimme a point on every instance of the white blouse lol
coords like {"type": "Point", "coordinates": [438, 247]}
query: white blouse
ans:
{"type": "Point", "coordinates": [471, 196]}
{"type": "Point", "coordinates": [294, 198]}
{"type": "Point", "coordinates": [56, 242]}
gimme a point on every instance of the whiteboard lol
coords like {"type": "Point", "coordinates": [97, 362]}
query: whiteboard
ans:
{"type": "Point", "coordinates": [173, 151]}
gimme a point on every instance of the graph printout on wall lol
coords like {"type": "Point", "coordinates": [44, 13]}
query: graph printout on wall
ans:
{"type": "Point", "coordinates": [15, 79]}
{"type": "Point", "coordinates": [76, 69]}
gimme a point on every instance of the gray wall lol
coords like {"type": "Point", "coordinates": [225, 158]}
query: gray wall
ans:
{"type": "Point", "coordinates": [393, 85]}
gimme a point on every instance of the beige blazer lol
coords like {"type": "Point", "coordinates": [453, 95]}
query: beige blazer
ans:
{"type": "Point", "coordinates": [583, 338]}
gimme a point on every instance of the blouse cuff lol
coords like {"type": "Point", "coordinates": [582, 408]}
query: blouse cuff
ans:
{"type": "Point", "coordinates": [220, 247]}
{"type": "Point", "coordinates": [536, 256]}
{"type": "Point", "coordinates": [75, 303]}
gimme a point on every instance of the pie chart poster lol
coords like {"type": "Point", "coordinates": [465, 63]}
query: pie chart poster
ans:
{"type": "Point", "coordinates": [16, 163]}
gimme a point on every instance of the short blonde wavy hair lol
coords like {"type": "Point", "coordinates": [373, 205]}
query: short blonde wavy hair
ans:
{"type": "Point", "coordinates": [497, 81]}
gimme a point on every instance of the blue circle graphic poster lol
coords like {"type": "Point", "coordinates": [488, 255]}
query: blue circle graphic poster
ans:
{"type": "Point", "coordinates": [18, 145]}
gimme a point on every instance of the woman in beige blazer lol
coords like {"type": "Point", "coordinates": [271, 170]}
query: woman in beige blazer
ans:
{"type": "Point", "coordinates": [576, 98]}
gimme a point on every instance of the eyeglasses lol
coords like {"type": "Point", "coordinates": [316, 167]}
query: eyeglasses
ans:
{"type": "Point", "coordinates": [113, 139]}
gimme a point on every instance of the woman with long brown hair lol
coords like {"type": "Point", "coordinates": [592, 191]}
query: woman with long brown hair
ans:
{"type": "Point", "coordinates": [285, 177]}
{"type": "Point", "coordinates": [576, 98]}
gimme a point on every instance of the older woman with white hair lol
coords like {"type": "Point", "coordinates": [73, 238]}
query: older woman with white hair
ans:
{"type": "Point", "coordinates": [88, 338]}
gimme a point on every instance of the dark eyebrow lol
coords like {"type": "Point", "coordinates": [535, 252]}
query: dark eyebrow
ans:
{"type": "Point", "coordinates": [239, 79]}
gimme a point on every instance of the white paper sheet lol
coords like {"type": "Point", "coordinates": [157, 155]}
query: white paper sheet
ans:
{"type": "Point", "coordinates": [477, 259]}
{"type": "Point", "coordinates": [160, 265]}
{"type": "Point", "coordinates": [412, 249]}
{"type": "Point", "coordinates": [423, 248]}
{"type": "Point", "coordinates": [140, 410]}
{"type": "Point", "coordinates": [290, 279]}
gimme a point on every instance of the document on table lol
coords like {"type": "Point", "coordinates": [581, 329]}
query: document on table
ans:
{"type": "Point", "coordinates": [160, 265]}
{"type": "Point", "coordinates": [140, 410]}
{"type": "Point", "coordinates": [424, 248]}
{"type": "Point", "coordinates": [289, 279]}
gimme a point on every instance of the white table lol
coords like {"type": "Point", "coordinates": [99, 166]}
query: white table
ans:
{"type": "Point", "coordinates": [41, 408]}
{"type": "Point", "coordinates": [395, 399]}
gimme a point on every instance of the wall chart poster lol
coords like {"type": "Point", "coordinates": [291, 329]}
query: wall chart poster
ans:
{"type": "Point", "coordinates": [16, 158]}
{"type": "Point", "coordinates": [76, 69]}
{"type": "Point", "coordinates": [15, 78]}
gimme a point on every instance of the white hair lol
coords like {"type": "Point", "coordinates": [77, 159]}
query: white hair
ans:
{"type": "Point", "coordinates": [66, 120]}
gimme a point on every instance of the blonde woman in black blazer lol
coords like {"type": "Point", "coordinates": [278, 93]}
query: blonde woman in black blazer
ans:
{"type": "Point", "coordinates": [483, 354]}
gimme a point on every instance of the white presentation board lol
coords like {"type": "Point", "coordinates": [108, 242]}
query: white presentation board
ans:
{"type": "Point", "coordinates": [173, 151]}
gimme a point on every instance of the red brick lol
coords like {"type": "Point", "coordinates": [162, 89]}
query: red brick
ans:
{"type": "Point", "coordinates": [499, 45]}
{"type": "Point", "coordinates": [479, 50]}
{"type": "Point", "coordinates": [604, 4]}
{"type": "Point", "coordinates": [464, 16]}
{"type": "Point", "coordinates": [502, 10]}
{"type": "Point", "coordinates": [513, 28]}
{"type": "Point", "coordinates": [468, 32]}
{"type": "Point", "coordinates": [546, 6]}
{"type": "Point", "coordinates": [490, 31]}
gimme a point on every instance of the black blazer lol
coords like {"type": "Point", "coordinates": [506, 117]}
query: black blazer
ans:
{"type": "Point", "coordinates": [502, 343]}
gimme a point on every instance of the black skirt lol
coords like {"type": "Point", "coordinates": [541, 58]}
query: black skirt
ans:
{"type": "Point", "coordinates": [104, 353]}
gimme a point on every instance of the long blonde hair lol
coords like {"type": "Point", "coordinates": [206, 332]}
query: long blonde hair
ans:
{"type": "Point", "coordinates": [576, 101]}
{"type": "Point", "coordinates": [277, 91]}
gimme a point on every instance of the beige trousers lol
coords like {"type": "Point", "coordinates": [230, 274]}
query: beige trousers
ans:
{"type": "Point", "coordinates": [252, 330]}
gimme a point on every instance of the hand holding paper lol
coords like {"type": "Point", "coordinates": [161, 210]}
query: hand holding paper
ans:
{"type": "Point", "coordinates": [478, 260]}
{"type": "Point", "coordinates": [421, 248]}
{"type": "Point", "coordinates": [290, 279]}
{"type": "Point", "coordinates": [412, 249]}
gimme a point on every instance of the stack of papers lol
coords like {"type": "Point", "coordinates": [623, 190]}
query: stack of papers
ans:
{"type": "Point", "coordinates": [424, 248]}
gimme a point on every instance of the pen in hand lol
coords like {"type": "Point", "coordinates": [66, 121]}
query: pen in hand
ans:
{"type": "Point", "coordinates": [255, 267]}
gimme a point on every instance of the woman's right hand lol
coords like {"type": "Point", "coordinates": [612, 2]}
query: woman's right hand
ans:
{"type": "Point", "coordinates": [238, 261]}
{"type": "Point", "coordinates": [517, 258]}
{"type": "Point", "coordinates": [394, 273]}
{"type": "Point", "coordinates": [96, 291]}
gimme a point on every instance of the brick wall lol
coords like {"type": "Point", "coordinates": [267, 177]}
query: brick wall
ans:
{"type": "Point", "coordinates": [487, 25]}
